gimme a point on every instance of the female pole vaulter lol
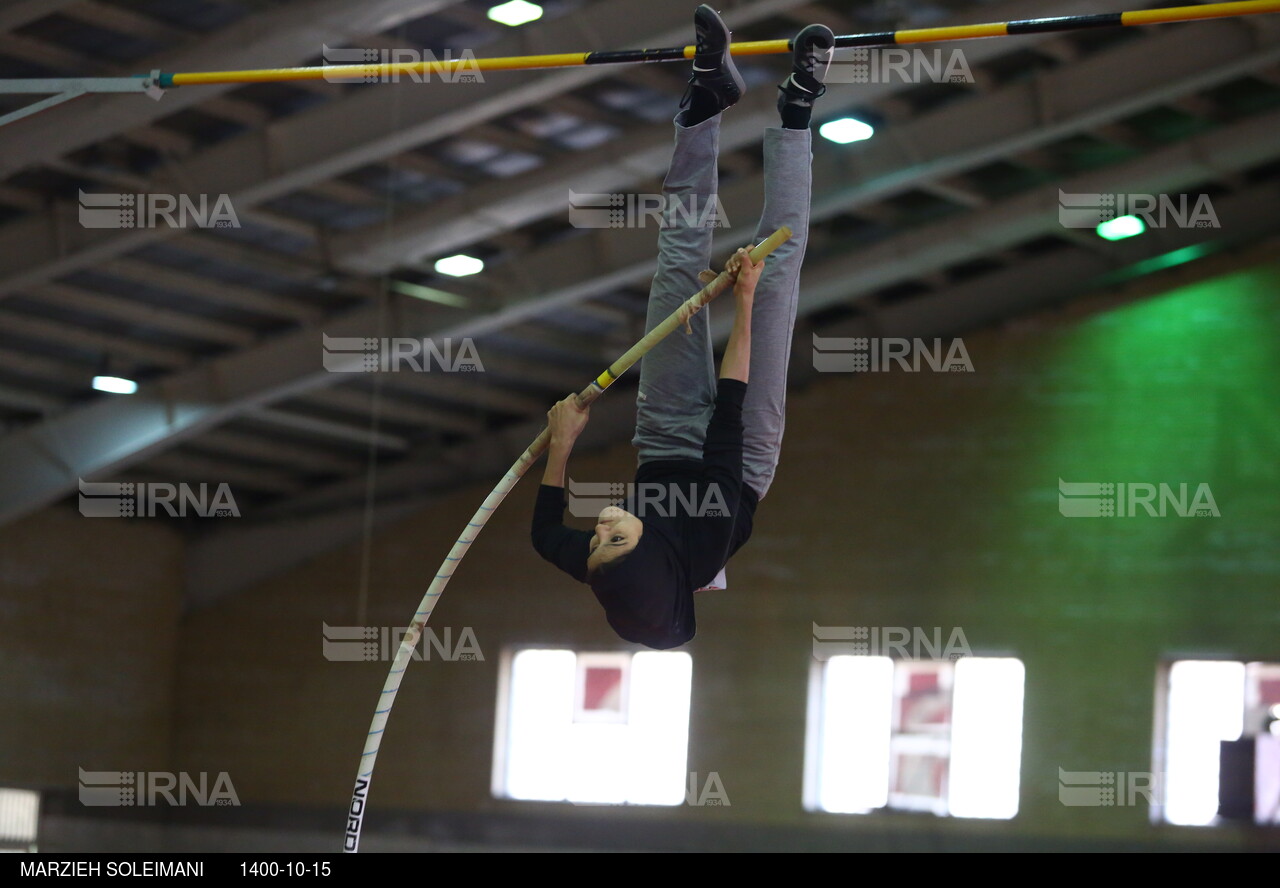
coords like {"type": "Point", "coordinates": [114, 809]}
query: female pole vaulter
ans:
{"type": "Point", "coordinates": [714, 440]}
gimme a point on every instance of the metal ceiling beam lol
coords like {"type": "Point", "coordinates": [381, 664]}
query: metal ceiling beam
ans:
{"type": "Point", "coordinates": [469, 391]}
{"type": "Point", "coordinates": [19, 399]}
{"type": "Point", "coordinates": [336, 431]}
{"type": "Point", "coordinates": [530, 372]}
{"type": "Point", "coordinates": [22, 198]}
{"type": "Point", "coordinates": [1150, 56]}
{"type": "Point", "coordinates": [272, 451]}
{"type": "Point", "coordinates": [256, 258]}
{"type": "Point", "coordinates": [285, 369]}
{"type": "Point", "coordinates": [189, 468]}
{"type": "Point", "coordinates": [47, 55]}
{"type": "Point", "coordinates": [291, 34]}
{"type": "Point", "coordinates": [941, 143]}
{"type": "Point", "coordinates": [45, 461]}
{"type": "Point", "coordinates": [130, 311]}
{"type": "Point", "coordinates": [554, 340]}
{"type": "Point", "coordinates": [1039, 282]}
{"type": "Point", "coordinates": [123, 21]}
{"type": "Point", "coordinates": [16, 13]}
{"type": "Point", "coordinates": [262, 550]}
{"type": "Point", "coordinates": [498, 206]}
{"type": "Point", "coordinates": [362, 127]}
{"type": "Point", "coordinates": [51, 333]}
{"type": "Point", "coordinates": [216, 292]}
{"type": "Point", "coordinates": [392, 409]}
{"type": "Point", "coordinates": [108, 435]}
{"type": "Point", "coordinates": [58, 373]}
{"type": "Point", "coordinates": [1033, 214]}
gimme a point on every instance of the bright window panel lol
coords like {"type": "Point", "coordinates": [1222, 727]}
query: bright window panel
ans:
{"type": "Point", "coordinates": [986, 737]}
{"type": "Point", "coordinates": [19, 816]}
{"type": "Point", "coordinates": [917, 735]}
{"type": "Point", "coordinates": [559, 749]}
{"type": "Point", "coordinates": [1206, 706]}
{"type": "Point", "coordinates": [856, 724]}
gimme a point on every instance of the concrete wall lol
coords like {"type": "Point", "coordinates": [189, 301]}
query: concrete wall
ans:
{"type": "Point", "coordinates": [88, 635]}
{"type": "Point", "coordinates": [904, 499]}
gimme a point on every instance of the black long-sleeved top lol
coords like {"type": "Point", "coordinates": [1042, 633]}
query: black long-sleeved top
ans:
{"type": "Point", "coordinates": [699, 541]}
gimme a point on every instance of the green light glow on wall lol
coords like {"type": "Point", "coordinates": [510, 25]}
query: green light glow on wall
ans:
{"type": "Point", "coordinates": [1158, 263]}
{"type": "Point", "coordinates": [1166, 388]}
{"type": "Point", "coordinates": [1172, 258]}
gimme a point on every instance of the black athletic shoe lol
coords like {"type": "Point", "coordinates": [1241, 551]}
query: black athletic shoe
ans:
{"type": "Point", "coordinates": [810, 58]}
{"type": "Point", "coordinates": [713, 68]}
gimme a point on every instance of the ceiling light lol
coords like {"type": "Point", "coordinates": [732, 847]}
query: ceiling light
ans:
{"type": "Point", "coordinates": [1121, 227]}
{"type": "Point", "coordinates": [515, 13]}
{"type": "Point", "coordinates": [846, 130]}
{"type": "Point", "coordinates": [459, 266]}
{"type": "Point", "coordinates": [117, 385]}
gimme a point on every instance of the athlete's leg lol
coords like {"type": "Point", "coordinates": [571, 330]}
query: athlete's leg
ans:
{"type": "Point", "coordinates": [787, 183]}
{"type": "Point", "coordinates": [677, 377]}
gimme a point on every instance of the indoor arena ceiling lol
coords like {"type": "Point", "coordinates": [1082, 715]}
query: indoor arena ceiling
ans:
{"type": "Point", "coordinates": [346, 194]}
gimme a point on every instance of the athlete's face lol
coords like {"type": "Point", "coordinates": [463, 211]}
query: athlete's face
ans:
{"type": "Point", "coordinates": [617, 532]}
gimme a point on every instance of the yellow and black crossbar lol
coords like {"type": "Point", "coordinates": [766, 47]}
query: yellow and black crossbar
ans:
{"type": "Point", "coordinates": [906, 37]}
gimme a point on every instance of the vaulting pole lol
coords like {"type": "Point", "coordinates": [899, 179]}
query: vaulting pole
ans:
{"type": "Point", "coordinates": [690, 307]}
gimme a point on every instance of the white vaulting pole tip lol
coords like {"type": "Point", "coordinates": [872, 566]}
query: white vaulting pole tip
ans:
{"type": "Point", "coordinates": [515, 13]}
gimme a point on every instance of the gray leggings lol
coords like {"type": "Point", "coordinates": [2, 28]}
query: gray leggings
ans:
{"type": "Point", "coordinates": [678, 377]}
